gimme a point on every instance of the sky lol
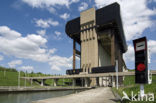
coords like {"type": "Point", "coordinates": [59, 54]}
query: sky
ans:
{"type": "Point", "coordinates": [33, 38]}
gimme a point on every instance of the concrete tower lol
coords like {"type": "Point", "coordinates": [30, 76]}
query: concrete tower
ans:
{"type": "Point", "coordinates": [101, 37]}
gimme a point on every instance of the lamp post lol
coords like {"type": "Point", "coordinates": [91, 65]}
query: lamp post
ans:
{"type": "Point", "coordinates": [116, 74]}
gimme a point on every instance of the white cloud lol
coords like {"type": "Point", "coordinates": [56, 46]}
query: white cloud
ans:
{"type": "Point", "coordinates": [32, 47]}
{"type": "Point", "coordinates": [152, 46]}
{"type": "Point", "coordinates": [41, 32]}
{"type": "Point", "coordinates": [135, 14]}
{"type": "Point", "coordinates": [51, 10]}
{"type": "Point", "coordinates": [46, 23]}
{"type": "Point", "coordinates": [7, 33]}
{"type": "Point", "coordinates": [27, 68]}
{"type": "Point", "coordinates": [57, 35]}
{"type": "Point", "coordinates": [129, 55]}
{"type": "Point", "coordinates": [83, 6]}
{"type": "Point", "coordinates": [65, 16]}
{"type": "Point", "coordinates": [13, 63]}
{"type": "Point", "coordinates": [49, 4]}
{"type": "Point", "coordinates": [57, 62]}
{"type": "Point", "coordinates": [1, 57]}
{"type": "Point", "coordinates": [52, 51]}
{"type": "Point", "coordinates": [29, 47]}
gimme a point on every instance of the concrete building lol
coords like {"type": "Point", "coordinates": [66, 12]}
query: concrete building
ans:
{"type": "Point", "coordinates": [101, 38]}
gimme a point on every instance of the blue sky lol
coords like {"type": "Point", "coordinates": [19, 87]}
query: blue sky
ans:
{"type": "Point", "coordinates": [32, 32]}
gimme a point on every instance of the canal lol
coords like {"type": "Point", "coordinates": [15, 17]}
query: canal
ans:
{"type": "Point", "coordinates": [28, 97]}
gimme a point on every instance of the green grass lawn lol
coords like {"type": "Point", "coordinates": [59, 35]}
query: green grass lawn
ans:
{"type": "Point", "coordinates": [129, 85]}
{"type": "Point", "coordinates": [10, 78]}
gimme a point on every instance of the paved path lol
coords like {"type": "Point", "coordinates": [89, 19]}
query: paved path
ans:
{"type": "Point", "coordinates": [99, 95]}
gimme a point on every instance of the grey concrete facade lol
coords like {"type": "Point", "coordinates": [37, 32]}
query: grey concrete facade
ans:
{"type": "Point", "coordinates": [89, 41]}
{"type": "Point", "coordinates": [97, 48]}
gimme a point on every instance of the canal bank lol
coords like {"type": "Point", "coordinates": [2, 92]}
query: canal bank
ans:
{"type": "Point", "coordinates": [98, 95]}
{"type": "Point", "coordinates": [39, 89]}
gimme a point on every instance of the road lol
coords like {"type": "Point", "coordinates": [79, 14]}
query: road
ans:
{"type": "Point", "coordinates": [98, 95]}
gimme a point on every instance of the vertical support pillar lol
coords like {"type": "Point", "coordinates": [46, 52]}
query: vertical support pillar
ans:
{"type": "Point", "coordinates": [106, 81]}
{"type": "Point", "coordinates": [97, 81]}
{"type": "Point", "coordinates": [31, 81]}
{"type": "Point", "coordinates": [142, 90]}
{"type": "Point", "coordinates": [82, 82]}
{"type": "Point", "coordinates": [116, 67]}
{"type": "Point", "coordinates": [86, 82]}
{"type": "Point", "coordinates": [42, 82]}
{"type": "Point", "coordinates": [102, 81]}
{"type": "Point", "coordinates": [73, 82]}
{"type": "Point", "coordinates": [74, 53]}
{"type": "Point", "coordinates": [55, 82]}
{"type": "Point", "coordinates": [112, 81]}
{"type": "Point", "coordinates": [109, 80]}
{"type": "Point", "coordinates": [113, 50]}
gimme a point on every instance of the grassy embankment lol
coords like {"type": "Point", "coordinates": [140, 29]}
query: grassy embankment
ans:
{"type": "Point", "coordinates": [9, 77]}
{"type": "Point", "coordinates": [129, 86]}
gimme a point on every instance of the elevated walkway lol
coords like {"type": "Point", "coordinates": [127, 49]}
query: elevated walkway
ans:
{"type": "Point", "coordinates": [86, 75]}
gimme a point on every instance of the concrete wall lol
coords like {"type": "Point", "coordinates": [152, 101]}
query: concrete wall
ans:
{"type": "Point", "coordinates": [104, 58]}
{"type": "Point", "coordinates": [92, 52]}
{"type": "Point", "coordinates": [89, 42]}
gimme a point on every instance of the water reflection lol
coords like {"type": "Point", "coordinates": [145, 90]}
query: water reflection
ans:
{"type": "Point", "coordinates": [27, 97]}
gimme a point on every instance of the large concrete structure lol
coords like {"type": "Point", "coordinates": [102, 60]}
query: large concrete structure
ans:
{"type": "Point", "coordinates": [56, 78]}
{"type": "Point", "coordinates": [101, 38]}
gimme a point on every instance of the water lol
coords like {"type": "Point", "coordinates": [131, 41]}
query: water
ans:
{"type": "Point", "coordinates": [27, 97]}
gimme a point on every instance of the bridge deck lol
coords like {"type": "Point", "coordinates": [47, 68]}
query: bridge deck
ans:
{"type": "Point", "coordinates": [87, 75]}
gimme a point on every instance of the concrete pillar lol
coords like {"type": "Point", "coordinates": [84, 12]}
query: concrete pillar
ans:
{"type": "Point", "coordinates": [109, 81]}
{"type": "Point", "coordinates": [101, 81]}
{"type": "Point", "coordinates": [113, 81]}
{"type": "Point", "coordinates": [73, 82]}
{"type": "Point", "coordinates": [106, 81]}
{"type": "Point", "coordinates": [31, 81]}
{"type": "Point", "coordinates": [89, 41]}
{"type": "Point", "coordinates": [82, 81]}
{"type": "Point", "coordinates": [97, 81]}
{"type": "Point", "coordinates": [86, 82]}
{"type": "Point", "coordinates": [55, 82]}
{"type": "Point", "coordinates": [42, 82]}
